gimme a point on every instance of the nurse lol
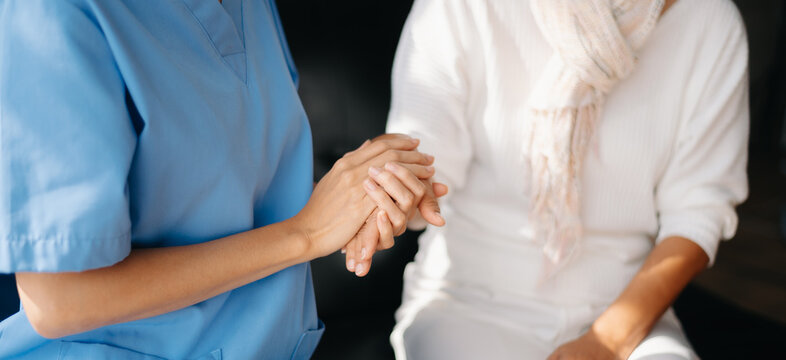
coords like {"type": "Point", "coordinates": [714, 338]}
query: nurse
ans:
{"type": "Point", "coordinates": [156, 188]}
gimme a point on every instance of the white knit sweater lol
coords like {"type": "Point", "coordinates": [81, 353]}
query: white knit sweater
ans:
{"type": "Point", "coordinates": [668, 159]}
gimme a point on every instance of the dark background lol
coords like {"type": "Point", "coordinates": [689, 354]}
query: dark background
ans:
{"type": "Point", "coordinates": [344, 51]}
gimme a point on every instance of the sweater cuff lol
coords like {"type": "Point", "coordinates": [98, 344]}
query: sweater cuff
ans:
{"type": "Point", "coordinates": [705, 227]}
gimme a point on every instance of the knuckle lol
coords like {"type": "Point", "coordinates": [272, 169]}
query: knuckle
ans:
{"type": "Point", "coordinates": [398, 169]}
{"type": "Point", "coordinates": [381, 145]}
{"type": "Point", "coordinates": [384, 176]}
{"type": "Point", "coordinates": [392, 155]}
{"type": "Point", "coordinates": [420, 190]}
{"type": "Point", "coordinates": [341, 164]}
{"type": "Point", "coordinates": [346, 178]}
{"type": "Point", "coordinates": [401, 230]}
{"type": "Point", "coordinates": [407, 200]}
{"type": "Point", "coordinates": [398, 220]}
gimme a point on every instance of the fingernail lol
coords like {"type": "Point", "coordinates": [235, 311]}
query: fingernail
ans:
{"type": "Point", "coordinates": [430, 168]}
{"type": "Point", "coordinates": [390, 166]}
{"type": "Point", "coordinates": [440, 216]}
{"type": "Point", "coordinates": [374, 171]}
{"type": "Point", "coordinates": [351, 265]}
{"type": "Point", "coordinates": [429, 157]}
{"type": "Point", "coordinates": [363, 253]}
{"type": "Point", "coordinates": [343, 251]}
{"type": "Point", "coordinates": [414, 141]}
{"type": "Point", "coordinates": [369, 185]}
{"type": "Point", "coordinates": [359, 269]}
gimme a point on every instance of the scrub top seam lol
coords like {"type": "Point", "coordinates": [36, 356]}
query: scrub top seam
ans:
{"type": "Point", "coordinates": [62, 237]}
{"type": "Point", "coordinates": [242, 25]}
{"type": "Point", "coordinates": [206, 36]}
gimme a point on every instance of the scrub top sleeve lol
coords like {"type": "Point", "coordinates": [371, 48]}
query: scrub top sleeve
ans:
{"type": "Point", "coordinates": [429, 87]}
{"type": "Point", "coordinates": [66, 141]}
{"type": "Point", "coordinates": [706, 176]}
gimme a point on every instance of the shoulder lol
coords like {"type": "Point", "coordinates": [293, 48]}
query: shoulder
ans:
{"type": "Point", "coordinates": [711, 31]}
{"type": "Point", "coordinates": [46, 15]}
{"type": "Point", "coordinates": [48, 8]}
{"type": "Point", "coordinates": [713, 17]}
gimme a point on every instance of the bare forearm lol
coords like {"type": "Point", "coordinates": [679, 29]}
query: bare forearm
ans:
{"type": "Point", "coordinates": [151, 282]}
{"type": "Point", "coordinates": [668, 269]}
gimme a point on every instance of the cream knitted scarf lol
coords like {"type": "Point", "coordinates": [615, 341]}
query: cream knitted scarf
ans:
{"type": "Point", "coordinates": [594, 44]}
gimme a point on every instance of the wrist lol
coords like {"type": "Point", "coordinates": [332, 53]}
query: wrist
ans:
{"type": "Point", "coordinates": [302, 245]}
{"type": "Point", "coordinates": [615, 333]}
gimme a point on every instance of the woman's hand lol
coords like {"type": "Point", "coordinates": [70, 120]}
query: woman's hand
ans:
{"type": "Point", "coordinates": [627, 321]}
{"type": "Point", "coordinates": [589, 346]}
{"type": "Point", "coordinates": [378, 233]}
{"type": "Point", "coordinates": [339, 204]}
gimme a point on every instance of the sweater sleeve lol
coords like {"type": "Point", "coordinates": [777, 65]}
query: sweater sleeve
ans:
{"type": "Point", "coordinates": [429, 88]}
{"type": "Point", "coordinates": [706, 175]}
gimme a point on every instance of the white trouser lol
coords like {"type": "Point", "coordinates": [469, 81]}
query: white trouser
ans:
{"type": "Point", "coordinates": [444, 327]}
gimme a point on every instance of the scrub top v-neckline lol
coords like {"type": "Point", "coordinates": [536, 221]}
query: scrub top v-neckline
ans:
{"type": "Point", "coordinates": [223, 25]}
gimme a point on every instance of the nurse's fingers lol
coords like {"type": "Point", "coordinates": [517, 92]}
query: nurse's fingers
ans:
{"type": "Point", "coordinates": [364, 263]}
{"type": "Point", "coordinates": [357, 248]}
{"type": "Point", "coordinates": [397, 217]}
{"type": "Point", "coordinates": [368, 233]}
{"type": "Point", "coordinates": [350, 258]}
{"type": "Point", "coordinates": [363, 267]}
{"type": "Point", "coordinates": [369, 239]}
{"type": "Point", "coordinates": [420, 171]}
{"type": "Point", "coordinates": [352, 248]}
{"type": "Point", "coordinates": [406, 190]}
{"type": "Point", "coordinates": [386, 239]}
{"type": "Point", "coordinates": [402, 157]}
{"type": "Point", "coordinates": [379, 147]}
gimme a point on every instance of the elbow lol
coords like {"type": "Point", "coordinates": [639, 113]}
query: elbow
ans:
{"type": "Point", "coordinates": [50, 322]}
{"type": "Point", "coordinates": [48, 314]}
{"type": "Point", "coordinates": [46, 328]}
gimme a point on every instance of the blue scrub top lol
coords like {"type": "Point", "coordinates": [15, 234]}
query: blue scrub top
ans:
{"type": "Point", "coordinates": [152, 123]}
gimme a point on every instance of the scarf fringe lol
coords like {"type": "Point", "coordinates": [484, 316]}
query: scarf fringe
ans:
{"type": "Point", "coordinates": [594, 43]}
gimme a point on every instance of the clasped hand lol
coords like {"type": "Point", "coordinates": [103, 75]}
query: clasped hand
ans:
{"type": "Point", "coordinates": [368, 197]}
{"type": "Point", "coordinates": [402, 192]}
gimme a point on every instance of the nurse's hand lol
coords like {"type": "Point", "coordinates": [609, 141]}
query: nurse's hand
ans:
{"type": "Point", "coordinates": [339, 205]}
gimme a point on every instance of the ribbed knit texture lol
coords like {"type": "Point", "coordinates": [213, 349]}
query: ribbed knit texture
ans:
{"type": "Point", "coordinates": [667, 158]}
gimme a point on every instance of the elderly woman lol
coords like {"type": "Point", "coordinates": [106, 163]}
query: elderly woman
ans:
{"type": "Point", "coordinates": [595, 151]}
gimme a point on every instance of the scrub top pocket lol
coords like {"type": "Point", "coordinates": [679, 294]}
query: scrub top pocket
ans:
{"type": "Point", "coordinates": [72, 350]}
{"type": "Point", "coordinates": [308, 342]}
